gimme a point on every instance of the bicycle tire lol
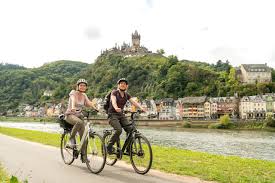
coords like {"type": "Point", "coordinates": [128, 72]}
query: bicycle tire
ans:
{"type": "Point", "coordinates": [95, 150]}
{"type": "Point", "coordinates": [111, 159]}
{"type": "Point", "coordinates": [135, 151]}
{"type": "Point", "coordinates": [64, 139]}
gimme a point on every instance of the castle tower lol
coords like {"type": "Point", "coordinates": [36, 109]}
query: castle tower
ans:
{"type": "Point", "coordinates": [135, 41]}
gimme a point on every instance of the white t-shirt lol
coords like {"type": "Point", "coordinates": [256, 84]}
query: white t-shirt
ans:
{"type": "Point", "coordinates": [81, 101]}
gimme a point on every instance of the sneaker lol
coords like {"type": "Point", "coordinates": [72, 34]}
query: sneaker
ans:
{"type": "Point", "coordinates": [71, 144]}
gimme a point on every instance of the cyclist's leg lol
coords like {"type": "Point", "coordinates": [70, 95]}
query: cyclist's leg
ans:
{"type": "Point", "coordinates": [79, 125]}
{"type": "Point", "coordinates": [114, 122]}
{"type": "Point", "coordinates": [127, 126]}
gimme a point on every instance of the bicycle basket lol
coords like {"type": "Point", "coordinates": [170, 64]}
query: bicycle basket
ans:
{"type": "Point", "coordinates": [62, 122]}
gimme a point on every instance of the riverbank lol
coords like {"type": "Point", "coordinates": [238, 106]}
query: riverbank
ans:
{"type": "Point", "coordinates": [183, 162]}
{"type": "Point", "coordinates": [240, 125]}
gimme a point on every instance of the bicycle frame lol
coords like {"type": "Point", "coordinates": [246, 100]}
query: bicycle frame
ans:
{"type": "Point", "coordinates": [93, 156]}
{"type": "Point", "coordinates": [134, 146]}
{"type": "Point", "coordinates": [130, 136]}
{"type": "Point", "coordinates": [84, 137]}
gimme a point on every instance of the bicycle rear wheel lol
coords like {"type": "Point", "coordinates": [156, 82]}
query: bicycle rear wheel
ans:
{"type": "Point", "coordinates": [141, 155]}
{"type": "Point", "coordinates": [95, 153]}
{"type": "Point", "coordinates": [66, 153]}
{"type": "Point", "coordinates": [111, 158]}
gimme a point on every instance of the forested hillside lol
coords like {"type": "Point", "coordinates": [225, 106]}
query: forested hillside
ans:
{"type": "Point", "coordinates": [156, 76]}
{"type": "Point", "coordinates": [150, 76]}
{"type": "Point", "coordinates": [22, 85]}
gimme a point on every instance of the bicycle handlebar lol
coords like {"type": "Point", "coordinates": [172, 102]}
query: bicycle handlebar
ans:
{"type": "Point", "coordinates": [138, 111]}
{"type": "Point", "coordinates": [133, 113]}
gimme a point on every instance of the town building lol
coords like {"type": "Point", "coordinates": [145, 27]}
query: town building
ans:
{"type": "Point", "coordinates": [193, 107]}
{"type": "Point", "coordinates": [252, 107]}
{"type": "Point", "coordinates": [254, 73]}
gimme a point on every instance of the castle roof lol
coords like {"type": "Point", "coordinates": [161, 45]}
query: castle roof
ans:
{"type": "Point", "coordinates": [256, 68]}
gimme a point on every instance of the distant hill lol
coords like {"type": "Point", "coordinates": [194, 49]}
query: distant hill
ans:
{"type": "Point", "coordinates": [22, 85]}
{"type": "Point", "coordinates": [7, 66]}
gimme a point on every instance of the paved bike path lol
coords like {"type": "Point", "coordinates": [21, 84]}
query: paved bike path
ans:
{"type": "Point", "coordinates": [43, 164]}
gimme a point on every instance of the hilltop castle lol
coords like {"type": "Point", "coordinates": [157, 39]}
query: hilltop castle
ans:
{"type": "Point", "coordinates": [130, 50]}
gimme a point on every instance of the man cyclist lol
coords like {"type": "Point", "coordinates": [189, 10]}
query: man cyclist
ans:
{"type": "Point", "coordinates": [116, 116]}
{"type": "Point", "coordinates": [77, 101]}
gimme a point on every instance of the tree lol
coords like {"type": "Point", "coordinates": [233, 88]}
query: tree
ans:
{"type": "Point", "coordinates": [173, 59]}
{"type": "Point", "coordinates": [161, 51]}
{"type": "Point", "coordinates": [232, 81]}
{"type": "Point", "coordinates": [222, 66]}
{"type": "Point", "coordinates": [273, 75]}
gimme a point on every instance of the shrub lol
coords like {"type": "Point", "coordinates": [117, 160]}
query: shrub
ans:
{"type": "Point", "coordinates": [186, 125]}
{"type": "Point", "coordinates": [224, 123]}
{"type": "Point", "coordinates": [224, 120]}
{"type": "Point", "coordinates": [270, 122]}
{"type": "Point", "coordinates": [214, 126]}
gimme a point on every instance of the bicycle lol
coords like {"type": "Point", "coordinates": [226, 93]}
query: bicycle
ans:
{"type": "Point", "coordinates": [137, 144]}
{"type": "Point", "coordinates": [92, 142]}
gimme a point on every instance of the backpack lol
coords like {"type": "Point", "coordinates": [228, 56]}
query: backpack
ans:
{"type": "Point", "coordinates": [107, 100]}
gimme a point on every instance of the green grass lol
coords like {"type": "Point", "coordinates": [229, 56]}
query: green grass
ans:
{"type": "Point", "coordinates": [3, 175]}
{"type": "Point", "coordinates": [31, 135]}
{"type": "Point", "coordinates": [183, 162]}
{"type": "Point", "coordinates": [28, 119]}
{"type": "Point", "coordinates": [5, 178]}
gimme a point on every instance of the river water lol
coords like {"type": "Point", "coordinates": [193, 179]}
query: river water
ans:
{"type": "Point", "coordinates": [249, 144]}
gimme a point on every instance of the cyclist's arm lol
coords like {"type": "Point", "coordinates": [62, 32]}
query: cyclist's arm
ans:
{"type": "Point", "coordinates": [73, 103]}
{"type": "Point", "coordinates": [113, 99]}
{"type": "Point", "coordinates": [89, 103]}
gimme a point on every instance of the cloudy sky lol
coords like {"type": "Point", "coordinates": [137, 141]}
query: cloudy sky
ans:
{"type": "Point", "coordinates": [33, 32]}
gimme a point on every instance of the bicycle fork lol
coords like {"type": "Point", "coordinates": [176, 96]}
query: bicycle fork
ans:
{"type": "Point", "coordinates": [137, 147]}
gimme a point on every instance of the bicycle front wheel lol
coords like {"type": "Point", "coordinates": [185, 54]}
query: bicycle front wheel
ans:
{"type": "Point", "coordinates": [66, 153]}
{"type": "Point", "coordinates": [95, 153]}
{"type": "Point", "coordinates": [141, 155]}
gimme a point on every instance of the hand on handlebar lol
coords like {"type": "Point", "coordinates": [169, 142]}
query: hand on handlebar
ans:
{"type": "Point", "coordinates": [137, 111]}
{"type": "Point", "coordinates": [118, 109]}
{"type": "Point", "coordinates": [142, 110]}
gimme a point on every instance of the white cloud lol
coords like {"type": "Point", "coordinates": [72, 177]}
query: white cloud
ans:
{"type": "Point", "coordinates": [93, 33]}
